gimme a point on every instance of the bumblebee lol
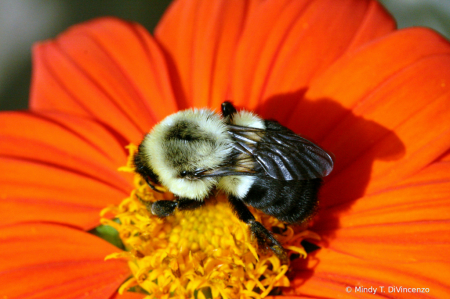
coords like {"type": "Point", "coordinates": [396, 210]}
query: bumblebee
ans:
{"type": "Point", "coordinates": [256, 162]}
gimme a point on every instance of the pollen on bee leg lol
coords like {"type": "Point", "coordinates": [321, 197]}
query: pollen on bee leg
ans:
{"type": "Point", "coordinates": [207, 250]}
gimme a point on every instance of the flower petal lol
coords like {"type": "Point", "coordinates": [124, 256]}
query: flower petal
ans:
{"type": "Point", "coordinates": [200, 38]}
{"type": "Point", "coordinates": [271, 47]}
{"type": "Point", "coordinates": [108, 69]}
{"type": "Point", "coordinates": [387, 119]}
{"type": "Point", "coordinates": [286, 297]}
{"type": "Point", "coordinates": [52, 261]}
{"type": "Point", "coordinates": [445, 157]}
{"type": "Point", "coordinates": [344, 270]}
{"type": "Point", "coordinates": [128, 295]}
{"type": "Point", "coordinates": [288, 43]}
{"type": "Point", "coordinates": [58, 168]}
{"type": "Point", "coordinates": [398, 237]}
{"type": "Point", "coordinates": [422, 197]}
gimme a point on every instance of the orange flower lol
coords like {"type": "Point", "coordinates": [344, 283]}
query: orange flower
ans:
{"type": "Point", "coordinates": [335, 71]}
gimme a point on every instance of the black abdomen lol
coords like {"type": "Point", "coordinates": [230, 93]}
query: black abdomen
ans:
{"type": "Point", "coordinates": [288, 201]}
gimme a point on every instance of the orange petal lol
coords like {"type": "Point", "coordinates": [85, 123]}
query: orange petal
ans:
{"type": "Point", "coordinates": [357, 75]}
{"type": "Point", "coordinates": [445, 157]}
{"type": "Point", "coordinates": [58, 168]}
{"type": "Point", "coordinates": [52, 261]}
{"type": "Point", "coordinates": [108, 69]}
{"type": "Point", "coordinates": [128, 295]}
{"type": "Point", "coordinates": [288, 43]}
{"type": "Point", "coordinates": [387, 119]}
{"type": "Point", "coordinates": [344, 271]}
{"type": "Point", "coordinates": [200, 38]}
{"type": "Point", "coordinates": [286, 297]}
{"type": "Point", "coordinates": [418, 198]}
{"type": "Point", "coordinates": [398, 237]}
{"type": "Point", "coordinates": [271, 47]}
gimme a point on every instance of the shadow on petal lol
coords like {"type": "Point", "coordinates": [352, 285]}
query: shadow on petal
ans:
{"type": "Point", "coordinates": [356, 147]}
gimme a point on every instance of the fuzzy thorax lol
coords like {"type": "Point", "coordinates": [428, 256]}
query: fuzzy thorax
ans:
{"type": "Point", "coordinates": [240, 185]}
{"type": "Point", "coordinates": [187, 141]}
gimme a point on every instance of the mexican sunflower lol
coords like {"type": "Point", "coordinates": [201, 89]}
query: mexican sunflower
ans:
{"type": "Point", "coordinates": [337, 72]}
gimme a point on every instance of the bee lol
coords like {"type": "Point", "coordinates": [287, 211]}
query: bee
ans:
{"type": "Point", "coordinates": [256, 162]}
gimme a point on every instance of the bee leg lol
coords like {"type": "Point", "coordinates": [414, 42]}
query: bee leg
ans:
{"type": "Point", "coordinates": [164, 208]}
{"type": "Point", "coordinates": [262, 235]}
{"type": "Point", "coordinates": [228, 109]}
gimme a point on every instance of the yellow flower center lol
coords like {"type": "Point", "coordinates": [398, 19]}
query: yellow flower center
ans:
{"type": "Point", "coordinates": [204, 253]}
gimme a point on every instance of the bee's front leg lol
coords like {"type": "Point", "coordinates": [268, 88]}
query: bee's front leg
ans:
{"type": "Point", "coordinates": [164, 208]}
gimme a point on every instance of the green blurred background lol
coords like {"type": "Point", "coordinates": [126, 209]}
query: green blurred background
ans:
{"type": "Point", "coordinates": [23, 22]}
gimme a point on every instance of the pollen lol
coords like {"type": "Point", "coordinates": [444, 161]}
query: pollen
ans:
{"type": "Point", "coordinates": [205, 253]}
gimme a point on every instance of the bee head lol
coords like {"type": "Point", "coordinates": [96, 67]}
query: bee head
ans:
{"type": "Point", "coordinates": [182, 146]}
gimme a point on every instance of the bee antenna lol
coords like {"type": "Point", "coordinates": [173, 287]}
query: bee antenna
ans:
{"type": "Point", "coordinates": [152, 186]}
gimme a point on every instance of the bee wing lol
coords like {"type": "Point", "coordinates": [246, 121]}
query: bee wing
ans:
{"type": "Point", "coordinates": [224, 170]}
{"type": "Point", "coordinates": [282, 154]}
